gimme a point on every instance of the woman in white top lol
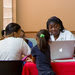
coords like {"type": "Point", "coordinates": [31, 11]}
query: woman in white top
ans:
{"type": "Point", "coordinates": [13, 47]}
{"type": "Point", "coordinates": [57, 30]}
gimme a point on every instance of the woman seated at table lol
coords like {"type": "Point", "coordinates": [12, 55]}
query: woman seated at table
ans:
{"type": "Point", "coordinates": [57, 30]}
{"type": "Point", "coordinates": [13, 47]}
{"type": "Point", "coordinates": [30, 44]}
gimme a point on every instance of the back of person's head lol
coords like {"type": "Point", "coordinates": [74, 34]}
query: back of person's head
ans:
{"type": "Point", "coordinates": [12, 27]}
{"type": "Point", "coordinates": [3, 33]}
{"type": "Point", "coordinates": [43, 38]}
{"type": "Point", "coordinates": [55, 20]}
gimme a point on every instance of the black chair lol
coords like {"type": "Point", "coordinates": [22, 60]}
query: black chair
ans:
{"type": "Point", "coordinates": [11, 67]}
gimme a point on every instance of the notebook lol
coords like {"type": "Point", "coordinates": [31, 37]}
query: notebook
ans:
{"type": "Point", "coordinates": [62, 49]}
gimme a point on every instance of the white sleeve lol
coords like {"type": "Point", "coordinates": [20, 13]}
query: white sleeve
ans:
{"type": "Point", "coordinates": [70, 36]}
{"type": "Point", "coordinates": [25, 49]}
{"type": "Point", "coordinates": [73, 37]}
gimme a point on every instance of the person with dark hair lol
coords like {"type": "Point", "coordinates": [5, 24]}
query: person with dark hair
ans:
{"type": "Point", "coordinates": [13, 29]}
{"type": "Point", "coordinates": [41, 53]}
{"type": "Point", "coordinates": [13, 47]}
{"type": "Point", "coordinates": [30, 44]}
{"type": "Point", "coordinates": [57, 30]}
{"type": "Point", "coordinates": [3, 33]}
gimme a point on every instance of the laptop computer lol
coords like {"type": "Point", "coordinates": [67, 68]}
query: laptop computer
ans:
{"type": "Point", "coordinates": [62, 49]}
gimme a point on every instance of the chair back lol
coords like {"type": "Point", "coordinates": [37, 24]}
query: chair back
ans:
{"type": "Point", "coordinates": [11, 67]}
{"type": "Point", "coordinates": [33, 40]}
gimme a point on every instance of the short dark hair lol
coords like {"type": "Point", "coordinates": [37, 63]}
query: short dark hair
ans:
{"type": "Point", "coordinates": [2, 32]}
{"type": "Point", "coordinates": [23, 36]}
{"type": "Point", "coordinates": [12, 27]}
{"type": "Point", "coordinates": [55, 20]}
{"type": "Point", "coordinates": [22, 31]}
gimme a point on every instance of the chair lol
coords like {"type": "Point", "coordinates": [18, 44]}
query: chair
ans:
{"type": "Point", "coordinates": [11, 67]}
{"type": "Point", "coordinates": [33, 40]}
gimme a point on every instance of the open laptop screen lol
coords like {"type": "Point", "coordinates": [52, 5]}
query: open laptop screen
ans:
{"type": "Point", "coordinates": [62, 49]}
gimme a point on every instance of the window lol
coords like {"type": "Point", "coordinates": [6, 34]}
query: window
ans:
{"type": "Point", "coordinates": [9, 12]}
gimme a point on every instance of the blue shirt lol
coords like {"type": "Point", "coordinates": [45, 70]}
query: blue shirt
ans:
{"type": "Point", "coordinates": [30, 44]}
{"type": "Point", "coordinates": [42, 59]}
